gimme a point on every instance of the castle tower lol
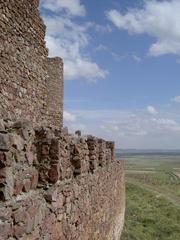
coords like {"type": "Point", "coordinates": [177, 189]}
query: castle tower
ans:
{"type": "Point", "coordinates": [55, 93]}
{"type": "Point", "coordinates": [27, 77]}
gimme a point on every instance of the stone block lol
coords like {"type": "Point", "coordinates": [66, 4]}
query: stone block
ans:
{"type": "Point", "coordinates": [5, 231]}
{"type": "Point", "coordinates": [16, 141]}
{"type": "Point", "coordinates": [55, 149]}
{"type": "Point", "coordinates": [30, 157]}
{"type": "Point", "coordinates": [5, 159]}
{"type": "Point", "coordinates": [6, 183]}
{"type": "Point", "coordinates": [5, 214]}
{"type": "Point", "coordinates": [19, 230]}
{"type": "Point", "coordinates": [18, 186]}
{"type": "Point", "coordinates": [54, 173]}
{"type": "Point", "coordinates": [20, 215]}
{"type": "Point", "coordinates": [51, 194]}
{"type": "Point", "coordinates": [2, 126]}
{"type": "Point", "coordinates": [34, 178]}
{"type": "Point", "coordinates": [4, 142]}
{"type": "Point", "coordinates": [26, 185]}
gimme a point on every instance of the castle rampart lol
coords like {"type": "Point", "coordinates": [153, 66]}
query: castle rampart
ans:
{"type": "Point", "coordinates": [53, 185]}
{"type": "Point", "coordinates": [58, 186]}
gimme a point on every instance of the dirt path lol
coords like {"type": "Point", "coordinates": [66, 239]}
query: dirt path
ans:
{"type": "Point", "coordinates": [159, 192]}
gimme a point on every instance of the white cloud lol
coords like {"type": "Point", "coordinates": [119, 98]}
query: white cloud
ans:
{"type": "Point", "coordinates": [73, 7]}
{"type": "Point", "coordinates": [164, 123]}
{"type": "Point", "coordinates": [136, 58]}
{"type": "Point", "coordinates": [101, 47]}
{"type": "Point", "coordinates": [159, 19]}
{"type": "Point", "coordinates": [140, 125]}
{"type": "Point", "coordinates": [67, 39]}
{"type": "Point", "coordinates": [130, 129]}
{"type": "Point", "coordinates": [176, 99]}
{"type": "Point", "coordinates": [68, 117]}
{"type": "Point", "coordinates": [83, 68]}
{"type": "Point", "coordinates": [152, 110]}
{"type": "Point", "coordinates": [114, 55]}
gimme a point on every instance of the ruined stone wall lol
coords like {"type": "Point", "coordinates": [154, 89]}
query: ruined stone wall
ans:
{"type": "Point", "coordinates": [23, 60]}
{"type": "Point", "coordinates": [31, 85]}
{"type": "Point", "coordinates": [55, 91]}
{"type": "Point", "coordinates": [56, 186]}
{"type": "Point", "coordinates": [53, 185]}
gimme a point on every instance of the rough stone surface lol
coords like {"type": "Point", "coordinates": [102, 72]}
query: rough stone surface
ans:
{"type": "Point", "coordinates": [53, 185]}
{"type": "Point", "coordinates": [71, 188]}
{"type": "Point", "coordinates": [28, 79]}
{"type": "Point", "coordinates": [55, 91]}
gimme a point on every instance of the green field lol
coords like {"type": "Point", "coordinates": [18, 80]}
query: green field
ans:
{"type": "Point", "coordinates": [152, 197]}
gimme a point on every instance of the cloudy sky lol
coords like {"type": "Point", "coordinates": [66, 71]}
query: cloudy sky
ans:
{"type": "Point", "coordinates": [122, 68]}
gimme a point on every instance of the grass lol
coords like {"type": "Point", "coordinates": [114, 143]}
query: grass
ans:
{"type": "Point", "coordinates": [153, 198]}
{"type": "Point", "coordinates": [150, 217]}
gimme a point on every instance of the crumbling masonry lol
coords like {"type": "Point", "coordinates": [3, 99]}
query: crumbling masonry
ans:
{"type": "Point", "coordinates": [53, 185]}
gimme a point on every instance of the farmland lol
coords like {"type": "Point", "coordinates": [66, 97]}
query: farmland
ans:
{"type": "Point", "coordinates": [152, 197]}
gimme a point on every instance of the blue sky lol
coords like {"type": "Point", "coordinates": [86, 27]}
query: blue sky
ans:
{"type": "Point", "coordinates": [122, 68]}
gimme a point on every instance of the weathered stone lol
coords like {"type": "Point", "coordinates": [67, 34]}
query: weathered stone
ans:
{"type": "Point", "coordinates": [30, 81]}
{"type": "Point", "coordinates": [22, 124]}
{"type": "Point", "coordinates": [34, 178]}
{"type": "Point", "coordinates": [5, 231]}
{"type": "Point", "coordinates": [51, 194]}
{"type": "Point", "coordinates": [45, 149]}
{"type": "Point", "coordinates": [20, 215]}
{"type": "Point", "coordinates": [4, 142]}
{"type": "Point", "coordinates": [2, 126]}
{"type": "Point", "coordinates": [55, 85]}
{"type": "Point", "coordinates": [5, 159]}
{"type": "Point", "coordinates": [6, 183]}
{"type": "Point", "coordinates": [58, 204]}
{"type": "Point", "coordinates": [5, 213]}
{"type": "Point", "coordinates": [78, 133]}
{"type": "Point", "coordinates": [30, 157]}
{"type": "Point", "coordinates": [53, 185]}
{"type": "Point", "coordinates": [54, 173]}
{"type": "Point", "coordinates": [19, 230]}
{"type": "Point", "coordinates": [18, 187]}
{"type": "Point", "coordinates": [26, 185]}
{"type": "Point", "coordinates": [65, 131]}
{"type": "Point", "coordinates": [16, 141]}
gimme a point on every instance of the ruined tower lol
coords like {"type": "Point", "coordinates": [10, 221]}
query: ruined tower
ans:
{"type": "Point", "coordinates": [31, 84]}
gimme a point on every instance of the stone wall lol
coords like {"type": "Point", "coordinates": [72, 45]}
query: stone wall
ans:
{"type": "Point", "coordinates": [30, 84]}
{"type": "Point", "coordinates": [23, 61]}
{"type": "Point", "coordinates": [53, 185]}
{"type": "Point", "coordinates": [56, 186]}
{"type": "Point", "coordinates": [55, 87]}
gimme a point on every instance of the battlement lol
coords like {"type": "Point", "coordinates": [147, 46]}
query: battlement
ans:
{"type": "Point", "coordinates": [50, 153]}
{"type": "Point", "coordinates": [54, 185]}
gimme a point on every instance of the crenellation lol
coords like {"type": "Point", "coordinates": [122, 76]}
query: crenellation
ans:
{"type": "Point", "coordinates": [53, 170]}
{"type": "Point", "coordinates": [53, 185]}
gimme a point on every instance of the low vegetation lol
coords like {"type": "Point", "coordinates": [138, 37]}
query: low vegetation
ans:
{"type": "Point", "coordinates": [153, 198]}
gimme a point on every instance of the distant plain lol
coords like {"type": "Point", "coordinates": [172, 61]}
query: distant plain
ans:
{"type": "Point", "coordinates": [152, 195]}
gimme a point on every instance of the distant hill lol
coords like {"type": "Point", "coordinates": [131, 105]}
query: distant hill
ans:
{"type": "Point", "coordinates": [147, 152]}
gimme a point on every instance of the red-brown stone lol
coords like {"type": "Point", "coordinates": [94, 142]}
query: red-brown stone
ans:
{"type": "Point", "coordinates": [26, 185]}
{"type": "Point", "coordinates": [54, 173]}
{"type": "Point", "coordinates": [18, 187]}
{"type": "Point", "coordinates": [34, 178]}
